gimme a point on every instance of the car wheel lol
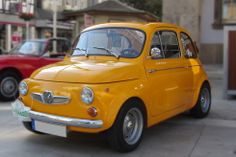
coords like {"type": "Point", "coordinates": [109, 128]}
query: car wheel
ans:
{"type": "Point", "coordinates": [9, 86]}
{"type": "Point", "coordinates": [127, 131]}
{"type": "Point", "coordinates": [203, 106]}
{"type": "Point", "coordinates": [28, 126]}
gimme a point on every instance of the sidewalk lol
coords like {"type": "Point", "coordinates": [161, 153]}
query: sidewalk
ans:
{"type": "Point", "coordinates": [221, 108]}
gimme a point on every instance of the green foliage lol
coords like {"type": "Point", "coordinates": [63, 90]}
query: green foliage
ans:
{"type": "Point", "coordinates": [153, 6]}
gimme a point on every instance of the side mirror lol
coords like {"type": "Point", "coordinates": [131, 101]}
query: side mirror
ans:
{"type": "Point", "coordinates": [188, 54]}
{"type": "Point", "coordinates": [156, 53]}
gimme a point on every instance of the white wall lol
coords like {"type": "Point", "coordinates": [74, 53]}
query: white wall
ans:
{"type": "Point", "coordinates": [208, 34]}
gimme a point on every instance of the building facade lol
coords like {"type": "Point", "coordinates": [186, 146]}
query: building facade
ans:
{"type": "Point", "coordinates": [12, 28]}
{"type": "Point", "coordinates": [69, 4]}
{"type": "Point", "coordinates": [204, 19]}
{"type": "Point", "coordinates": [107, 11]}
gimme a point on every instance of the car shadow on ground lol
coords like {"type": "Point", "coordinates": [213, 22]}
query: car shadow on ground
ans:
{"type": "Point", "coordinates": [96, 144]}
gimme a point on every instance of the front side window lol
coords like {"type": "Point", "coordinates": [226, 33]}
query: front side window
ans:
{"type": "Point", "coordinates": [156, 47]}
{"type": "Point", "coordinates": [188, 46]}
{"type": "Point", "coordinates": [118, 42]}
{"type": "Point", "coordinates": [170, 46]}
{"type": "Point", "coordinates": [62, 46]}
{"type": "Point", "coordinates": [167, 43]}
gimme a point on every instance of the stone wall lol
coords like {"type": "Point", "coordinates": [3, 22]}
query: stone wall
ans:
{"type": "Point", "coordinates": [185, 13]}
{"type": "Point", "coordinates": [197, 16]}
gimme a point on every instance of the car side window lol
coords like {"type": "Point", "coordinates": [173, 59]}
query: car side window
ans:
{"type": "Point", "coordinates": [62, 47]}
{"type": "Point", "coordinates": [170, 45]}
{"type": "Point", "coordinates": [188, 46]}
{"type": "Point", "coordinates": [156, 46]}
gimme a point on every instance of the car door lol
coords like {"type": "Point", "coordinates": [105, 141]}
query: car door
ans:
{"type": "Point", "coordinates": [50, 56]}
{"type": "Point", "coordinates": [191, 57]}
{"type": "Point", "coordinates": [167, 73]}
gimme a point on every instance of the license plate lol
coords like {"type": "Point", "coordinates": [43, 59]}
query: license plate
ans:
{"type": "Point", "coordinates": [20, 110]}
{"type": "Point", "coordinates": [48, 128]}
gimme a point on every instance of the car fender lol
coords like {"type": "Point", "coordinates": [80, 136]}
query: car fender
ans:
{"type": "Point", "coordinates": [133, 91]}
{"type": "Point", "coordinates": [198, 86]}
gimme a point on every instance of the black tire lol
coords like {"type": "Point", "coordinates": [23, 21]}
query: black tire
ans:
{"type": "Point", "coordinates": [115, 134]}
{"type": "Point", "coordinates": [9, 92]}
{"type": "Point", "coordinates": [28, 126]}
{"type": "Point", "coordinates": [201, 110]}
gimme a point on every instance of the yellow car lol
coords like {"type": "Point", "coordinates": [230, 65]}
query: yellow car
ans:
{"type": "Point", "coordinates": [120, 79]}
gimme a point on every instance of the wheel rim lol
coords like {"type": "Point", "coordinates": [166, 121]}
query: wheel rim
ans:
{"type": "Point", "coordinates": [133, 126]}
{"type": "Point", "coordinates": [9, 87]}
{"type": "Point", "coordinates": [205, 100]}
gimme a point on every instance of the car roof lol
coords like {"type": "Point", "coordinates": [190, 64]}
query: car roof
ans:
{"type": "Point", "coordinates": [141, 26]}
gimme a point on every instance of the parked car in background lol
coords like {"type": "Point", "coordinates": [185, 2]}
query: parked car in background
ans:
{"type": "Point", "coordinates": [120, 79]}
{"type": "Point", "coordinates": [24, 59]}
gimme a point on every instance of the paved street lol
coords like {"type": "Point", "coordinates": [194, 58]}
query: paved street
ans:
{"type": "Point", "coordinates": [181, 136]}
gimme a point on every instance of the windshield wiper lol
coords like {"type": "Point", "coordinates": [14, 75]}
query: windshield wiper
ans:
{"type": "Point", "coordinates": [109, 51]}
{"type": "Point", "coordinates": [80, 49]}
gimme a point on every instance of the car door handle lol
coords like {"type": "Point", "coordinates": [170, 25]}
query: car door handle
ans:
{"type": "Point", "coordinates": [152, 70]}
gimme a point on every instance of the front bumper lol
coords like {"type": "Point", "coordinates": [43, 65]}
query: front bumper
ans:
{"type": "Point", "coordinates": [26, 114]}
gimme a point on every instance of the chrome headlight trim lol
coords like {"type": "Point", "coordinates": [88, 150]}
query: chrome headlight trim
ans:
{"type": "Point", "coordinates": [87, 95]}
{"type": "Point", "coordinates": [23, 88]}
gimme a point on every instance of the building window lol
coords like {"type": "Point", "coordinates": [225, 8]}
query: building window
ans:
{"type": "Point", "coordinates": [10, 6]}
{"type": "Point", "coordinates": [225, 13]}
{"type": "Point", "coordinates": [229, 11]}
{"type": "Point", "coordinates": [218, 24]}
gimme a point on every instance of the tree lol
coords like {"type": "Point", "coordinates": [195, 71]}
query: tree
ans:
{"type": "Point", "coordinates": [153, 6]}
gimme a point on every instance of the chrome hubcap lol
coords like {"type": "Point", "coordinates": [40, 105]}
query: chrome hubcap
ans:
{"type": "Point", "coordinates": [205, 100]}
{"type": "Point", "coordinates": [133, 126]}
{"type": "Point", "coordinates": [9, 87]}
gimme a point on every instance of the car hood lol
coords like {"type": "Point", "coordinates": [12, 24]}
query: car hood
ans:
{"type": "Point", "coordinates": [89, 71]}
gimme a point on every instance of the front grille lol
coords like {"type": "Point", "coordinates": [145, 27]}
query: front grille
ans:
{"type": "Point", "coordinates": [54, 99]}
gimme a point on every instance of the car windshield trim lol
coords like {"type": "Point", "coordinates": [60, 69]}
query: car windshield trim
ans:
{"type": "Point", "coordinates": [120, 56]}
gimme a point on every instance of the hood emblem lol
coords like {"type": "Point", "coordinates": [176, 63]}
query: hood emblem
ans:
{"type": "Point", "coordinates": [48, 97]}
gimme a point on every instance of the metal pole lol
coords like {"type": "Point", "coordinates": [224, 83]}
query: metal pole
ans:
{"type": "Point", "coordinates": [54, 24]}
{"type": "Point", "coordinates": [8, 37]}
{"type": "Point", "coordinates": [27, 30]}
{"type": "Point", "coordinates": [27, 22]}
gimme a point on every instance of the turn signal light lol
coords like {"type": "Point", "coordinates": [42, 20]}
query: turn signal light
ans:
{"type": "Point", "coordinates": [92, 111]}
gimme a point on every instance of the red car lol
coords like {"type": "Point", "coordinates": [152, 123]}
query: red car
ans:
{"type": "Point", "coordinates": [24, 59]}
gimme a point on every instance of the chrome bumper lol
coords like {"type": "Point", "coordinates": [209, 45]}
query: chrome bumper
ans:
{"type": "Point", "coordinates": [83, 123]}
{"type": "Point", "coordinates": [26, 114]}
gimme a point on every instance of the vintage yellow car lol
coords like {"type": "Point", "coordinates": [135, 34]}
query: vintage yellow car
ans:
{"type": "Point", "coordinates": [120, 79]}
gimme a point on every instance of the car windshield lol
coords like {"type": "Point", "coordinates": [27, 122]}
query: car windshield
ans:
{"type": "Point", "coordinates": [30, 48]}
{"type": "Point", "coordinates": [117, 42]}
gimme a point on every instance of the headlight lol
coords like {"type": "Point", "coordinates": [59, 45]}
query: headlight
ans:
{"type": "Point", "coordinates": [87, 95]}
{"type": "Point", "coordinates": [23, 88]}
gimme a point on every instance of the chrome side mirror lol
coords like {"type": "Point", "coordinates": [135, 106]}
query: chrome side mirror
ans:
{"type": "Point", "coordinates": [188, 54]}
{"type": "Point", "coordinates": [156, 53]}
